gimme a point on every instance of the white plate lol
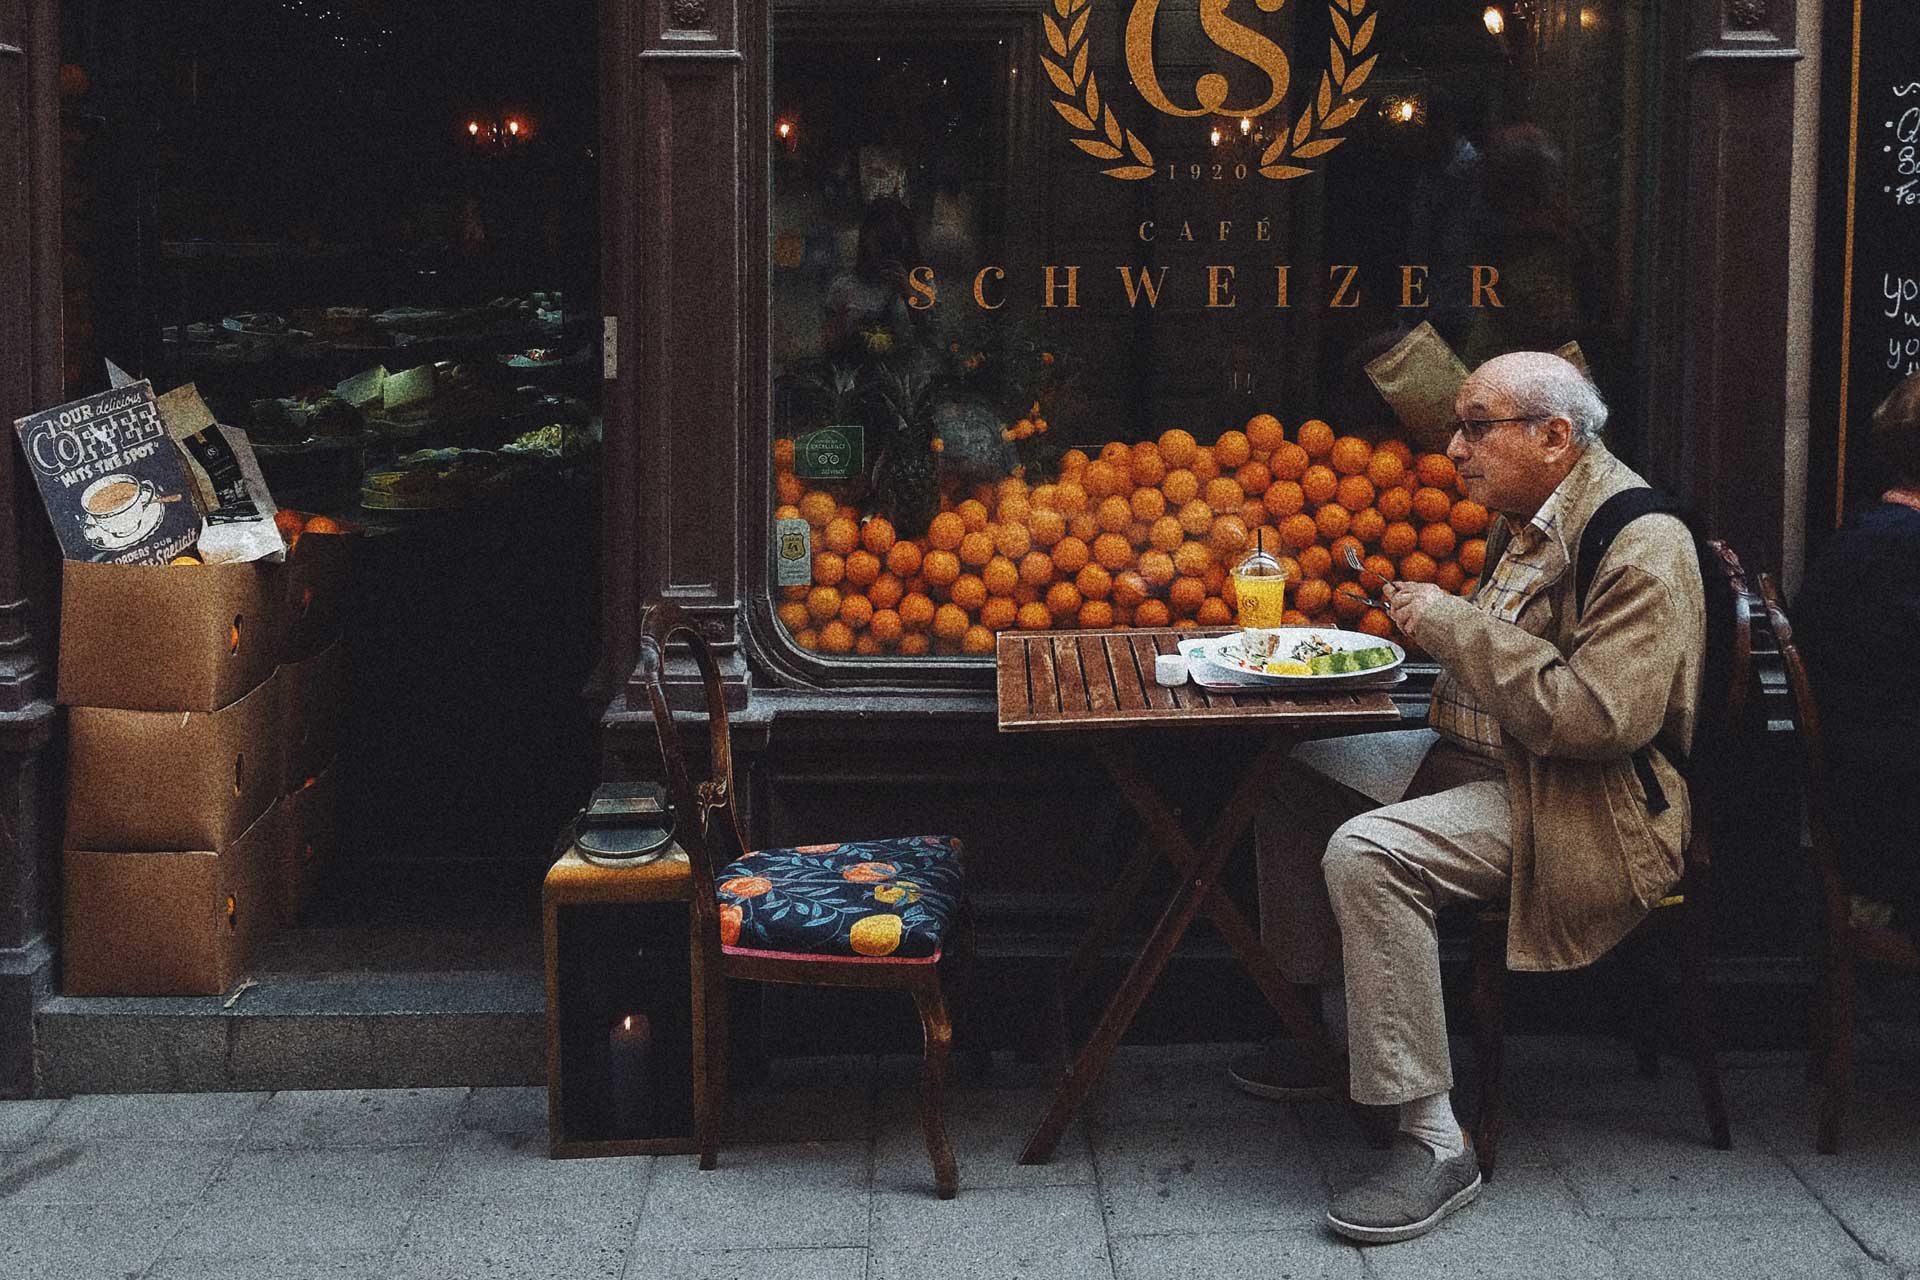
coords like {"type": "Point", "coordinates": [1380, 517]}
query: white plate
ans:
{"type": "Point", "coordinates": [1224, 652]}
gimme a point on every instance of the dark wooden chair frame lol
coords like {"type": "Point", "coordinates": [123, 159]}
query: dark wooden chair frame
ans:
{"type": "Point", "coordinates": [1842, 945]}
{"type": "Point", "coordinates": [708, 827]}
{"type": "Point", "coordinates": [1682, 922]}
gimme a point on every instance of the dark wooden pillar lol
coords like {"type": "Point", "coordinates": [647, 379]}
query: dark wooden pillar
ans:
{"type": "Point", "coordinates": [30, 377]}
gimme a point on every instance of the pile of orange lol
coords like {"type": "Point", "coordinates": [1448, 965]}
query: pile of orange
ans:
{"type": "Point", "coordinates": [1136, 535]}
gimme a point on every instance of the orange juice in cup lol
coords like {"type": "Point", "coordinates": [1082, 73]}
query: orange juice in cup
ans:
{"type": "Point", "coordinates": [1260, 588]}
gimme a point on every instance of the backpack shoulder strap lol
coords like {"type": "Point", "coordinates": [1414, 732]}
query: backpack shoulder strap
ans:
{"type": "Point", "coordinates": [1605, 524]}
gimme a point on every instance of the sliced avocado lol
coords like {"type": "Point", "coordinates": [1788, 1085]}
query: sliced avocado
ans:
{"type": "Point", "coordinates": [1321, 664]}
{"type": "Point", "coordinates": [1371, 658]}
{"type": "Point", "coordinates": [1346, 662]}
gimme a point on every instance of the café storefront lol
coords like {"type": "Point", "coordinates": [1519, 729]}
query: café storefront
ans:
{"type": "Point", "coordinates": [925, 322]}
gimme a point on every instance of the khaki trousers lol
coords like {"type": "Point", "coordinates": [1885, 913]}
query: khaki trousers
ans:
{"type": "Point", "coordinates": [1350, 889]}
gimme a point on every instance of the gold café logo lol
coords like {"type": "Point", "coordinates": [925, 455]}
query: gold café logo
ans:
{"type": "Point", "coordinates": [1097, 128]}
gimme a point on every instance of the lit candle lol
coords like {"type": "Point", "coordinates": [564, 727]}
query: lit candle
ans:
{"type": "Point", "coordinates": [629, 1049]}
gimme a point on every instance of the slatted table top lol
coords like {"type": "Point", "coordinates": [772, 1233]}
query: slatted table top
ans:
{"type": "Point", "coordinates": [1055, 680]}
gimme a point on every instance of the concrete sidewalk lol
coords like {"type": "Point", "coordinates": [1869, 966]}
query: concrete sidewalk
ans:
{"type": "Point", "coordinates": [1172, 1174]}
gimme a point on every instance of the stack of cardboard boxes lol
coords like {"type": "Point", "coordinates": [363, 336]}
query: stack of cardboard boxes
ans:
{"type": "Point", "coordinates": [205, 704]}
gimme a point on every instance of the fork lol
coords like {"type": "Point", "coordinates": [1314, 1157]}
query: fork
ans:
{"type": "Point", "coordinates": [1353, 563]}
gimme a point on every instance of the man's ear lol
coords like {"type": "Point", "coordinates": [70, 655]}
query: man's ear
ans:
{"type": "Point", "coordinates": [1556, 434]}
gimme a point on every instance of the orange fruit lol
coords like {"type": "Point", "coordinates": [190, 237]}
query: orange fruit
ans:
{"type": "Point", "coordinates": [1350, 455]}
{"type": "Point", "coordinates": [1043, 496]}
{"type": "Point", "coordinates": [1375, 622]}
{"type": "Point", "coordinates": [1094, 582]}
{"type": "Point", "coordinates": [786, 511]}
{"type": "Point", "coordinates": [1063, 600]}
{"type": "Point", "coordinates": [794, 593]}
{"type": "Point", "coordinates": [1468, 518]}
{"type": "Point", "coordinates": [1204, 464]}
{"type": "Point", "coordinates": [1103, 479]}
{"type": "Point", "coordinates": [1047, 527]}
{"type": "Point", "coordinates": [1185, 596]}
{"type": "Point", "coordinates": [915, 645]}
{"type": "Point", "coordinates": [1115, 452]}
{"type": "Point", "coordinates": [1253, 479]}
{"type": "Point", "coordinates": [976, 548]}
{"type": "Point", "coordinates": [1036, 568]}
{"type": "Point", "coordinates": [978, 640]}
{"type": "Point", "coordinates": [1146, 467]}
{"type": "Point", "coordinates": [1192, 559]}
{"type": "Point", "coordinates": [1320, 484]}
{"type": "Point", "coordinates": [1332, 520]}
{"type": "Point", "coordinates": [1012, 487]}
{"type": "Point", "coordinates": [1436, 470]}
{"type": "Point", "coordinates": [1112, 552]}
{"type": "Point", "coordinates": [1033, 617]}
{"type": "Point", "coordinates": [1299, 531]}
{"type": "Point", "coordinates": [1166, 533]}
{"type": "Point", "coordinates": [1223, 494]}
{"type": "Point", "coordinates": [1384, 468]}
{"type": "Point", "coordinates": [792, 614]}
{"type": "Point", "coordinates": [1470, 586]}
{"type": "Point", "coordinates": [1394, 503]}
{"type": "Point", "coordinates": [1355, 493]}
{"type": "Point", "coordinates": [1148, 504]}
{"type": "Point", "coordinates": [818, 507]}
{"type": "Point", "coordinates": [1399, 449]}
{"type": "Point", "coordinates": [1368, 524]}
{"type": "Point", "coordinates": [863, 568]}
{"type": "Point", "coordinates": [1264, 432]}
{"type": "Point", "coordinates": [836, 637]}
{"type": "Point", "coordinates": [1349, 600]}
{"type": "Point", "coordinates": [885, 626]}
{"type": "Point", "coordinates": [790, 490]}
{"type": "Point", "coordinates": [845, 512]}
{"type": "Point", "coordinates": [1070, 556]}
{"type": "Point", "coordinates": [1001, 576]}
{"type": "Point", "coordinates": [946, 531]}
{"type": "Point", "coordinates": [1177, 447]}
{"type": "Point", "coordinates": [1014, 508]}
{"type": "Point", "coordinates": [950, 622]}
{"type": "Point", "coordinates": [1129, 589]}
{"type": "Point", "coordinates": [1437, 540]}
{"type": "Point", "coordinates": [1381, 568]}
{"type": "Point", "coordinates": [1180, 487]}
{"type": "Point", "coordinates": [1339, 547]}
{"type": "Point", "coordinates": [1288, 462]}
{"type": "Point", "coordinates": [1072, 462]}
{"type": "Point", "coordinates": [783, 453]}
{"type": "Point", "coordinates": [1213, 612]}
{"type": "Point", "coordinates": [1316, 562]}
{"type": "Point", "coordinates": [1069, 498]}
{"type": "Point", "coordinates": [1316, 437]}
{"type": "Point", "coordinates": [1417, 566]}
{"type": "Point", "coordinates": [1398, 539]}
{"type": "Point", "coordinates": [941, 568]}
{"type": "Point", "coordinates": [1253, 513]}
{"type": "Point", "coordinates": [1096, 615]}
{"type": "Point", "coordinates": [1216, 578]}
{"type": "Point", "coordinates": [823, 603]}
{"type": "Point", "coordinates": [1473, 556]}
{"type": "Point", "coordinates": [1448, 577]}
{"type": "Point", "coordinates": [1312, 595]}
{"type": "Point", "coordinates": [1290, 567]}
{"type": "Point", "coordinates": [1197, 517]}
{"type": "Point", "coordinates": [885, 591]}
{"type": "Point", "coordinates": [1228, 536]}
{"type": "Point", "coordinates": [1012, 540]}
{"type": "Point", "coordinates": [1083, 527]}
{"type": "Point", "coordinates": [828, 569]}
{"type": "Point", "coordinates": [904, 559]}
{"type": "Point", "coordinates": [1152, 613]}
{"type": "Point", "coordinates": [1232, 449]}
{"type": "Point", "coordinates": [1283, 498]}
{"type": "Point", "coordinates": [1294, 618]}
{"type": "Point", "coordinates": [997, 614]}
{"type": "Point", "coordinates": [1114, 514]}
{"type": "Point", "coordinates": [973, 514]}
{"type": "Point", "coordinates": [877, 535]}
{"type": "Point", "coordinates": [1432, 504]}
{"type": "Point", "coordinates": [968, 591]}
{"type": "Point", "coordinates": [1156, 567]}
{"type": "Point", "coordinates": [856, 611]}
{"type": "Point", "coordinates": [1026, 592]}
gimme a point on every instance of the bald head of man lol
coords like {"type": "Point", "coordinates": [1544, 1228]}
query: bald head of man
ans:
{"type": "Point", "coordinates": [1525, 419]}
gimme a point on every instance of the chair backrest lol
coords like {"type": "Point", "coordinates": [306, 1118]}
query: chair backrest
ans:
{"type": "Point", "coordinates": [705, 809]}
{"type": "Point", "coordinates": [1726, 693]}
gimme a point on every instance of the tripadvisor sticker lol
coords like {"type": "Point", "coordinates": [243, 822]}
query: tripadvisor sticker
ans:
{"type": "Point", "coordinates": [792, 553]}
{"type": "Point", "coordinates": [831, 453]}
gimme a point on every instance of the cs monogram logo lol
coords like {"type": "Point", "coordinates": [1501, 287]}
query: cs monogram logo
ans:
{"type": "Point", "coordinates": [1099, 133]}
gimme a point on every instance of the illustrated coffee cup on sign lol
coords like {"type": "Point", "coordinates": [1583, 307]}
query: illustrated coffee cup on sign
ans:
{"type": "Point", "coordinates": [119, 510]}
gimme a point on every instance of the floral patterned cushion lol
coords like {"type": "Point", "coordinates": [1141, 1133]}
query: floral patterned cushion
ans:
{"type": "Point", "coordinates": [864, 898]}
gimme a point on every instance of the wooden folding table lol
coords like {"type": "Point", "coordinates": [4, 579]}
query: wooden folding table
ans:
{"type": "Point", "coordinates": [1100, 685]}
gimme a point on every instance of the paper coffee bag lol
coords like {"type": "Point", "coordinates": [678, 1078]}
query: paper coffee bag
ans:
{"type": "Point", "coordinates": [227, 482]}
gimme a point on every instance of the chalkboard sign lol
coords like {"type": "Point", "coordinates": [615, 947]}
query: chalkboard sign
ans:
{"type": "Point", "coordinates": [1879, 311]}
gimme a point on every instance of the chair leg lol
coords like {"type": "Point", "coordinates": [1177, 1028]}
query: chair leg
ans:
{"type": "Point", "coordinates": [1696, 1013]}
{"type": "Point", "coordinates": [1639, 993]}
{"type": "Point", "coordinates": [1837, 1074]}
{"type": "Point", "coordinates": [933, 1080]}
{"type": "Point", "coordinates": [963, 957]}
{"type": "Point", "coordinates": [710, 1091]}
{"type": "Point", "coordinates": [1489, 962]}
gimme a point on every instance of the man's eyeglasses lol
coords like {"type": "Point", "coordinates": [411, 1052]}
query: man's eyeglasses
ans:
{"type": "Point", "coordinates": [1474, 430]}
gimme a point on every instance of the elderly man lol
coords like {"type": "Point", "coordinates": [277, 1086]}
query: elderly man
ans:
{"type": "Point", "coordinates": [1525, 790]}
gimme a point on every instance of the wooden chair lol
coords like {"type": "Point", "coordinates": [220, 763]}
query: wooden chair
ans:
{"type": "Point", "coordinates": [871, 913]}
{"type": "Point", "coordinates": [1681, 923]}
{"type": "Point", "coordinates": [1843, 944]}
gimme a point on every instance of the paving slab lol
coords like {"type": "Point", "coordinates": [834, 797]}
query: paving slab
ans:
{"type": "Point", "coordinates": [787, 1195]}
{"type": "Point", "coordinates": [1160, 1178]}
{"type": "Point", "coordinates": [110, 1172]}
{"type": "Point", "coordinates": [217, 1228]}
{"type": "Point", "coordinates": [1713, 1248]}
{"type": "Point", "coordinates": [747, 1264]}
{"type": "Point", "coordinates": [1051, 1232]}
{"type": "Point", "coordinates": [516, 1164]}
{"type": "Point", "coordinates": [81, 1242]}
{"type": "Point", "coordinates": [1641, 1167]}
{"type": "Point", "coordinates": [158, 1117]}
{"type": "Point", "coordinates": [330, 1175]}
{"type": "Point", "coordinates": [804, 1100]}
{"type": "Point", "coordinates": [363, 1266]}
{"type": "Point", "coordinates": [356, 1118]}
{"type": "Point", "coordinates": [1239, 1255]}
{"type": "Point", "coordinates": [511, 1238]}
{"type": "Point", "coordinates": [514, 1109]}
{"type": "Point", "coordinates": [988, 1128]}
{"type": "Point", "coordinates": [22, 1122]}
{"type": "Point", "coordinates": [1161, 1084]}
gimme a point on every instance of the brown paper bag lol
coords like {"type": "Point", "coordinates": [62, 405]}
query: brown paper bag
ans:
{"type": "Point", "coordinates": [1419, 377]}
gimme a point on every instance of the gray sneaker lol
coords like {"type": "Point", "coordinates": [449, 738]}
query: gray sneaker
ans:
{"type": "Point", "coordinates": [1281, 1073]}
{"type": "Point", "coordinates": [1407, 1197]}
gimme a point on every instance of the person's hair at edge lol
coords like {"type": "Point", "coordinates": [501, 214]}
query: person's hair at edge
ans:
{"type": "Point", "coordinates": [1546, 386]}
{"type": "Point", "coordinates": [1896, 430]}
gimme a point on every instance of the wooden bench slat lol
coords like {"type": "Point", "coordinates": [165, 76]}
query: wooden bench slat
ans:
{"type": "Point", "coordinates": [1042, 683]}
{"type": "Point", "coordinates": [1101, 694]}
{"type": "Point", "coordinates": [1127, 683]}
{"type": "Point", "coordinates": [1010, 679]}
{"type": "Point", "coordinates": [1159, 697]}
{"type": "Point", "coordinates": [1073, 683]}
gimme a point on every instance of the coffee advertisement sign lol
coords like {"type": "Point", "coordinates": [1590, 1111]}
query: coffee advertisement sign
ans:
{"type": "Point", "coordinates": [112, 481]}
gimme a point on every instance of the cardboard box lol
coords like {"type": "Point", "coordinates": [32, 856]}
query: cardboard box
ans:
{"type": "Point", "coordinates": [312, 840]}
{"type": "Point", "coordinates": [316, 711]}
{"type": "Point", "coordinates": [316, 588]}
{"type": "Point", "coordinates": [168, 923]}
{"type": "Point", "coordinates": [173, 779]}
{"type": "Point", "coordinates": [168, 637]}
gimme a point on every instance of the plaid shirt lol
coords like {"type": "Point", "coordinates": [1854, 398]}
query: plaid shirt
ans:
{"type": "Point", "coordinates": [1536, 552]}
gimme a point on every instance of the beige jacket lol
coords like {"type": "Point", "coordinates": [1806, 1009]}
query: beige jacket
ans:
{"type": "Point", "coordinates": [1575, 701]}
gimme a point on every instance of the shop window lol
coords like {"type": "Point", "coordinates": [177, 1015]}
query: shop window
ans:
{"type": "Point", "coordinates": [1071, 309]}
{"type": "Point", "coordinates": [368, 234]}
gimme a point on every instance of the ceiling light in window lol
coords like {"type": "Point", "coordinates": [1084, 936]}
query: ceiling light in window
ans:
{"type": "Point", "coordinates": [1496, 21]}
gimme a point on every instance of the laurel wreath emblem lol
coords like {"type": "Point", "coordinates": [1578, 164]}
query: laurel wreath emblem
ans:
{"type": "Point", "coordinates": [1099, 133]}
